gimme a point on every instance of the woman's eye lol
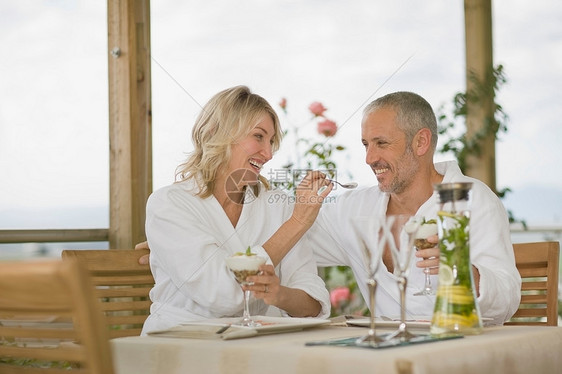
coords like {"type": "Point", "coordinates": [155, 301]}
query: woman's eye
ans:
{"type": "Point", "coordinates": [259, 136]}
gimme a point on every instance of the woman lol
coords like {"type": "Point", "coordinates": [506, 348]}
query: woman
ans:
{"type": "Point", "coordinates": [221, 205]}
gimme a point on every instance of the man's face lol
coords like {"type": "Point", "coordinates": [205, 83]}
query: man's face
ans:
{"type": "Point", "coordinates": [388, 155]}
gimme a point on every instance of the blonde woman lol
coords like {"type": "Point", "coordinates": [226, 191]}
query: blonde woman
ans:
{"type": "Point", "coordinates": [220, 205]}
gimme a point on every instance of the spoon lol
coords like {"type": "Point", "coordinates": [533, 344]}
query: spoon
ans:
{"type": "Point", "coordinates": [349, 185]}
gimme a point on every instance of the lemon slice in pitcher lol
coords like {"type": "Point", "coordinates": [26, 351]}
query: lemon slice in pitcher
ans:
{"type": "Point", "coordinates": [446, 275]}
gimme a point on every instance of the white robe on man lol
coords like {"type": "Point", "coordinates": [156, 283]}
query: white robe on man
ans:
{"type": "Point", "coordinates": [491, 250]}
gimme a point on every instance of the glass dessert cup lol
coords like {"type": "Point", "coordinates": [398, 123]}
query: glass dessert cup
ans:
{"type": "Point", "coordinates": [399, 232]}
{"type": "Point", "coordinates": [367, 231]}
{"type": "Point", "coordinates": [243, 266]}
{"type": "Point", "coordinates": [426, 230]}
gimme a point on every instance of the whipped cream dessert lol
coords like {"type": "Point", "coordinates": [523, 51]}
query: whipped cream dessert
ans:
{"type": "Point", "coordinates": [426, 230]}
{"type": "Point", "coordinates": [243, 265]}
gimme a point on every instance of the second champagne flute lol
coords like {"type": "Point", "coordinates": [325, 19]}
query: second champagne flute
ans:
{"type": "Point", "coordinates": [399, 232]}
{"type": "Point", "coordinates": [367, 231]}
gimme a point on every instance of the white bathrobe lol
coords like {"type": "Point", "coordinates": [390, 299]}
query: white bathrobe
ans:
{"type": "Point", "coordinates": [189, 239]}
{"type": "Point", "coordinates": [491, 250]}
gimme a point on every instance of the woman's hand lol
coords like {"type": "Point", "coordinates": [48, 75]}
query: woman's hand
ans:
{"type": "Point", "coordinates": [308, 200]}
{"type": "Point", "coordinates": [266, 285]}
{"type": "Point", "coordinates": [296, 302]}
{"type": "Point", "coordinates": [430, 256]}
{"type": "Point", "coordinates": [143, 260]}
{"type": "Point", "coordinates": [307, 205]}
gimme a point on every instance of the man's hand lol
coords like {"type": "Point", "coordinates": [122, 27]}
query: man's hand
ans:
{"type": "Point", "coordinates": [143, 260]}
{"type": "Point", "coordinates": [430, 256]}
{"type": "Point", "coordinates": [431, 260]}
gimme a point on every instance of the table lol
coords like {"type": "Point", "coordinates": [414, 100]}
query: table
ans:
{"type": "Point", "coordinates": [500, 349]}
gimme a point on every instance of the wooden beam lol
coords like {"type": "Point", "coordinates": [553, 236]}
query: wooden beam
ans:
{"type": "Point", "coordinates": [480, 93]}
{"type": "Point", "coordinates": [130, 121]}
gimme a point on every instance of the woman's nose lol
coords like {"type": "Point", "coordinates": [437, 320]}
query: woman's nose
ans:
{"type": "Point", "coordinates": [267, 152]}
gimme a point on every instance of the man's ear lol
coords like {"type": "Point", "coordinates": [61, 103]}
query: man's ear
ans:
{"type": "Point", "coordinates": [422, 142]}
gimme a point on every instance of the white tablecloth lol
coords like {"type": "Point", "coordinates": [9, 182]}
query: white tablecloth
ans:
{"type": "Point", "coordinates": [506, 349]}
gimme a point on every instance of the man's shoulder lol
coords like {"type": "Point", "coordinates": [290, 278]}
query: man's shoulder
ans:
{"type": "Point", "coordinates": [478, 187]}
{"type": "Point", "coordinates": [453, 173]}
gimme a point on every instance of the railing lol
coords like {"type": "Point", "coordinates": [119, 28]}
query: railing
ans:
{"type": "Point", "coordinates": [26, 244]}
{"type": "Point", "coordinates": [54, 236]}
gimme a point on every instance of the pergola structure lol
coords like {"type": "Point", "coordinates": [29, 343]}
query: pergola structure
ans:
{"type": "Point", "coordinates": [130, 120]}
{"type": "Point", "coordinates": [479, 68]}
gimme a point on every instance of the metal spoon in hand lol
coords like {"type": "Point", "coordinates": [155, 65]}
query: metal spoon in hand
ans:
{"type": "Point", "coordinates": [350, 185]}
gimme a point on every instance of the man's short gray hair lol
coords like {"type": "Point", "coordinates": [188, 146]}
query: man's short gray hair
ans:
{"type": "Point", "coordinates": [413, 113]}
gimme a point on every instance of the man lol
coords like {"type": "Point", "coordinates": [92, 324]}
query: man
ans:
{"type": "Point", "coordinates": [399, 132]}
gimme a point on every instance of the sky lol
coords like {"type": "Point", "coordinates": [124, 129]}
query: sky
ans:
{"type": "Point", "coordinates": [53, 83]}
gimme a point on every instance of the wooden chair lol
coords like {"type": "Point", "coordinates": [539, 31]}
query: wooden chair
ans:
{"type": "Point", "coordinates": [122, 285]}
{"type": "Point", "coordinates": [34, 298]}
{"type": "Point", "coordinates": [538, 264]}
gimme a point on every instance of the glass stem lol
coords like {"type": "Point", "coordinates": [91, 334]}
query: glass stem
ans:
{"type": "Point", "coordinates": [372, 284]}
{"type": "Point", "coordinates": [246, 316]}
{"type": "Point", "coordinates": [427, 279]}
{"type": "Point", "coordinates": [402, 286]}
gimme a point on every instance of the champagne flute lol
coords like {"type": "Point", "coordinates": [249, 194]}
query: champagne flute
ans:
{"type": "Point", "coordinates": [427, 229]}
{"type": "Point", "coordinates": [242, 266]}
{"type": "Point", "coordinates": [398, 235]}
{"type": "Point", "coordinates": [367, 231]}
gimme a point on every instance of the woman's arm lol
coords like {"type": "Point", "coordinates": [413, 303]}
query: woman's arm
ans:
{"type": "Point", "coordinates": [307, 205]}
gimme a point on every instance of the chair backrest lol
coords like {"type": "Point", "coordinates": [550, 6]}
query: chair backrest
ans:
{"type": "Point", "coordinates": [538, 264]}
{"type": "Point", "coordinates": [49, 318]}
{"type": "Point", "coordinates": [122, 285]}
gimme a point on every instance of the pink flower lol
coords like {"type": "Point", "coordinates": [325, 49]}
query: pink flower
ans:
{"type": "Point", "coordinates": [283, 104]}
{"type": "Point", "coordinates": [317, 108]}
{"type": "Point", "coordinates": [339, 295]}
{"type": "Point", "coordinates": [327, 128]}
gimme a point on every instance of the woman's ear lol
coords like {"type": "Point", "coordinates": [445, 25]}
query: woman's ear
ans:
{"type": "Point", "coordinates": [422, 142]}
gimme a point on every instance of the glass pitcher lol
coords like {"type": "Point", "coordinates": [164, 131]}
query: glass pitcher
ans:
{"type": "Point", "coordinates": [456, 309]}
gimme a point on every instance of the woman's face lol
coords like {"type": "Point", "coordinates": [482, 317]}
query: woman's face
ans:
{"type": "Point", "coordinates": [249, 154]}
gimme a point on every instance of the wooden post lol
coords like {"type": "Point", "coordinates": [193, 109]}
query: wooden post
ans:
{"type": "Point", "coordinates": [130, 121]}
{"type": "Point", "coordinates": [480, 92]}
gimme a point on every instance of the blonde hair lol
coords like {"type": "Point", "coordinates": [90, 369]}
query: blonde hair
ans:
{"type": "Point", "coordinates": [229, 116]}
